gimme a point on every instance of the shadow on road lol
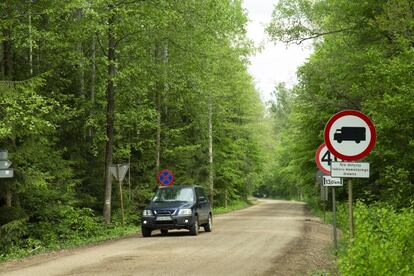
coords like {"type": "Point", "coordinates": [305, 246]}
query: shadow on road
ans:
{"type": "Point", "coordinates": [176, 233]}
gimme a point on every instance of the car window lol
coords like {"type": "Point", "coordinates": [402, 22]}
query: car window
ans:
{"type": "Point", "coordinates": [203, 193]}
{"type": "Point", "coordinates": [174, 194]}
{"type": "Point", "coordinates": [200, 193]}
{"type": "Point", "coordinates": [197, 190]}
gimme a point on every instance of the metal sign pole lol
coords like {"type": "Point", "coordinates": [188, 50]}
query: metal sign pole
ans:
{"type": "Point", "coordinates": [351, 216]}
{"type": "Point", "coordinates": [129, 178]}
{"type": "Point", "coordinates": [334, 220]}
{"type": "Point", "coordinates": [120, 194]}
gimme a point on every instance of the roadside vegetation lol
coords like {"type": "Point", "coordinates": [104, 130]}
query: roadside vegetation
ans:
{"type": "Point", "coordinates": [363, 59]}
{"type": "Point", "coordinates": [91, 230]}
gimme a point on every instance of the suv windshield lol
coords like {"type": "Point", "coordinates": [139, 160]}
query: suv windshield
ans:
{"type": "Point", "coordinates": [185, 194]}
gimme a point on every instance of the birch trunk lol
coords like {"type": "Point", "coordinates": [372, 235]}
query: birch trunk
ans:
{"type": "Point", "coordinates": [161, 53]}
{"type": "Point", "coordinates": [210, 150]}
{"type": "Point", "coordinates": [158, 138]}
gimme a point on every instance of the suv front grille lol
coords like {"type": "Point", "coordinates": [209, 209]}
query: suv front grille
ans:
{"type": "Point", "coordinates": [164, 212]}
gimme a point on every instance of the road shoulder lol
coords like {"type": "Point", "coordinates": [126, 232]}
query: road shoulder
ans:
{"type": "Point", "coordinates": [312, 254]}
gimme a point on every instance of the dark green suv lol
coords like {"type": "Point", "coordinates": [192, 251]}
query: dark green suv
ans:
{"type": "Point", "coordinates": [177, 207]}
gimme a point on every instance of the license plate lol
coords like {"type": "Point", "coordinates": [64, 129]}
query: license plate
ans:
{"type": "Point", "coordinates": [164, 218]}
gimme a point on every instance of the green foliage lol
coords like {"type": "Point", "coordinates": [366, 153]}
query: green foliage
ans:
{"type": "Point", "coordinates": [12, 232]}
{"type": "Point", "coordinates": [383, 244]}
{"type": "Point", "coordinates": [53, 86]}
{"type": "Point", "coordinates": [363, 60]}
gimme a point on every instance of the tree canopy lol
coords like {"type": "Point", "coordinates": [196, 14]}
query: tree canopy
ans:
{"type": "Point", "coordinates": [363, 60]}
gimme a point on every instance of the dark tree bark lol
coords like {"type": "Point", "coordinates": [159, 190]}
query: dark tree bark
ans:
{"type": "Point", "coordinates": [110, 98]}
{"type": "Point", "coordinates": [7, 55]}
{"type": "Point", "coordinates": [93, 80]}
{"type": "Point", "coordinates": [8, 195]}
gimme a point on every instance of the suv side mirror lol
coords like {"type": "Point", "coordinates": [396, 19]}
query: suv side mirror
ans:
{"type": "Point", "coordinates": [201, 199]}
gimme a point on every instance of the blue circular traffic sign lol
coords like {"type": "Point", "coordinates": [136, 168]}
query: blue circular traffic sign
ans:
{"type": "Point", "coordinates": [166, 178]}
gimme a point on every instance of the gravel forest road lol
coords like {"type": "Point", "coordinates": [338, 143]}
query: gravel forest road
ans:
{"type": "Point", "coordinates": [274, 237]}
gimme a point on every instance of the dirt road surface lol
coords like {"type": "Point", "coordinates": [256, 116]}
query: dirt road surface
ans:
{"type": "Point", "coordinates": [272, 238]}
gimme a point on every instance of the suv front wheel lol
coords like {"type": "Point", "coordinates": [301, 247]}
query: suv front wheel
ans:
{"type": "Point", "coordinates": [194, 227]}
{"type": "Point", "coordinates": [209, 225]}
{"type": "Point", "coordinates": [146, 232]}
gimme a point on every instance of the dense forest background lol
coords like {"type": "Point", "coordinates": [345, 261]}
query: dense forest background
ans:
{"type": "Point", "coordinates": [85, 84]}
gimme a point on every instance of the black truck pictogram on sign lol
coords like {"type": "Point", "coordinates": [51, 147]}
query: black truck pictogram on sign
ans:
{"type": "Point", "coordinates": [356, 134]}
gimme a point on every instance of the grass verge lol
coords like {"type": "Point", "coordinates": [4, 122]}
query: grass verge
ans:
{"type": "Point", "coordinates": [110, 233]}
{"type": "Point", "coordinates": [233, 206]}
{"type": "Point", "coordinates": [107, 233]}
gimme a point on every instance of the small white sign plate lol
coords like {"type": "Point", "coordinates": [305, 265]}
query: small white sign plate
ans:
{"type": "Point", "coordinates": [350, 169]}
{"type": "Point", "coordinates": [4, 154]}
{"type": "Point", "coordinates": [332, 181]}
{"type": "Point", "coordinates": [7, 173]}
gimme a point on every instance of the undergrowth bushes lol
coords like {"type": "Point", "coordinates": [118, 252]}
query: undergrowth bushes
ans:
{"type": "Point", "coordinates": [64, 226]}
{"type": "Point", "coordinates": [383, 243]}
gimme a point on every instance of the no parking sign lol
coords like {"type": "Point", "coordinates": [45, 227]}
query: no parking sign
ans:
{"type": "Point", "coordinates": [165, 178]}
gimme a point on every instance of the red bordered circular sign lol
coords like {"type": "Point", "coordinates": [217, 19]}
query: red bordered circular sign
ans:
{"type": "Point", "coordinates": [350, 135]}
{"type": "Point", "coordinates": [323, 159]}
{"type": "Point", "coordinates": [165, 178]}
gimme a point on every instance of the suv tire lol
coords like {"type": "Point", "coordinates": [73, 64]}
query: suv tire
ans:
{"type": "Point", "coordinates": [194, 227]}
{"type": "Point", "coordinates": [146, 232]}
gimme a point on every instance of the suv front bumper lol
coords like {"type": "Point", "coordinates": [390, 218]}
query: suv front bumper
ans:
{"type": "Point", "coordinates": [167, 222]}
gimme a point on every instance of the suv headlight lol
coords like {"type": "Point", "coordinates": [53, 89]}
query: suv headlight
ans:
{"type": "Point", "coordinates": [185, 212]}
{"type": "Point", "coordinates": [147, 213]}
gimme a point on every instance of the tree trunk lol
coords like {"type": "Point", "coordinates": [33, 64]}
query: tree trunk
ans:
{"type": "Point", "coordinates": [81, 72]}
{"type": "Point", "coordinates": [210, 149]}
{"type": "Point", "coordinates": [158, 138]}
{"type": "Point", "coordinates": [1, 63]}
{"type": "Point", "coordinates": [93, 71]}
{"type": "Point", "coordinates": [8, 195]}
{"type": "Point", "coordinates": [110, 98]}
{"type": "Point", "coordinates": [30, 41]}
{"type": "Point", "coordinates": [161, 54]}
{"type": "Point", "coordinates": [7, 55]}
{"type": "Point", "coordinates": [93, 79]}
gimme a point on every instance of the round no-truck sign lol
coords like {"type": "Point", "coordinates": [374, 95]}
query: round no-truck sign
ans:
{"type": "Point", "coordinates": [323, 159]}
{"type": "Point", "coordinates": [350, 135]}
